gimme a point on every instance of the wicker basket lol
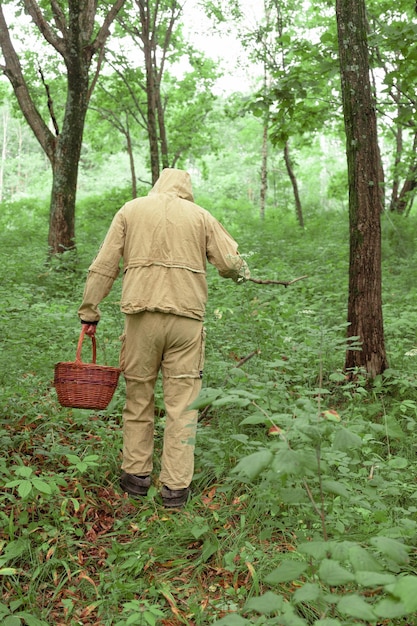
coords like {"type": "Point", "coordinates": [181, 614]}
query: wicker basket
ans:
{"type": "Point", "coordinates": [85, 385]}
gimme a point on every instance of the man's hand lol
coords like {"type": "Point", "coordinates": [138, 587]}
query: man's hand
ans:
{"type": "Point", "coordinates": [90, 329]}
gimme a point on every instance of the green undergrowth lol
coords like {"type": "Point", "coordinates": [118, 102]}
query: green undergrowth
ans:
{"type": "Point", "coordinates": [304, 501]}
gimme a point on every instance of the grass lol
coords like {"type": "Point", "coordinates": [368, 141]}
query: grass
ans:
{"type": "Point", "coordinates": [312, 524]}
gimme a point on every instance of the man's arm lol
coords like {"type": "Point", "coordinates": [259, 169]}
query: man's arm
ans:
{"type": "Point", "coordinates": [222, 252]}
{"type": "Point", "coordinates": [102, 273]}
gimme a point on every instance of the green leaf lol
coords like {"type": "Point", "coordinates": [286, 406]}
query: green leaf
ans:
{"type": "Point", "coordinates": [198, 531]}
{"type": "Point", "coordinates": [12, 483]}
{"type": "Point", "coordinates": [288, 462]}
{"type": "Point", "coordinates": [309, 592]}
{"type": "Point", "coordinates": [255, 418]}
{"type": "Point", "coordinates": [24, 471]}
{"type": "Point", "coordinates": [293, 495]}
{"type": "Point", "coordinates": [41, 485]}
{"type": "Point", "coordinates": [91, 458]}
{"type": "Point", "coordinates": [210, 547]}
{"type": "Point", "coordinates": [393, 428]}
{"type": "Point", "coordinates": [389, 609]}
{"type": "Point", "coordinates": [73, 459]}
{"type": "Point", "coordinates": [355, 606]}
{"type": "Point", "coordinates": [289, 617]}
{"type": "Point", "coordinates": [31, 620]}
{"type": "Point", "coordinates": [333, 574]}
{"type": "Point", "coordinates": [12, 620]}
{"type": "Point", "coordinates": [266, 604]}
{"type": "Point", "coordinates": [406, 590]}
{"type": "Point", "coordinates": [287, 571]}
{"type": "Point", "coordinates": [231, 398]}
{"type": "Point", "coordinates": [327, 621]}
{"type": "Point", "coordinates": [345, 440]}
{"type": "Point", "coordinates": [335, 487]}
{"type": "Point", "coordinates": [8, 571]}
{"type": "Point", "coordinates": [316, 549]}
{"type": "Point", "coordinates": [392, 548]}
{"type": "Point", "coordinates": [15, 548]}
{"type": "Point", "coordinates": [205, 398]}
{"type": "Point", "coordinates": [362, 559]}
{"type": "Point", "coordinates": [24, 488]}
{"type": "Point", "coordinates": [254, 464]}
{"type": "Point", "coordinates": [374, 579]}
{"type": "Point", "coordinates": [398, 462]}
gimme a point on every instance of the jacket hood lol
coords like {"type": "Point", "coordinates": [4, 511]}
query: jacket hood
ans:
{"type": "Point", "coordinates": [174, 181]}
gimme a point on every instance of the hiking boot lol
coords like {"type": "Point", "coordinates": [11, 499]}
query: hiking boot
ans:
{"type": "Point", "coordinates": [174, 498]}
{"type": "Point", "coordinates": [135, 486]}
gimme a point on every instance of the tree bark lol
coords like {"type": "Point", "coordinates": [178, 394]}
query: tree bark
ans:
{"type": "Point", "coordinates": [5, 115]}
{"type": "Point", "coordinates": [403, 199]}
{"type": "Point", "coordinates": [147, 37]}
{"type": "Point", "coordinates": [75, 39]}
{"type": "Point", "coordinates": [363, 160]}
{"type": "Point", "coordinates": [293, 179]}
{"type": "Point", "coordinates": [157, 23]}
{"type": "Point", "coordinates": [264, 170]}
{"type": "Point", "coordinates": [69, 141]}
{"type": "Point", "coordinates": [264, 155]}
{"type": "Point", "coordinates": [131, 158]}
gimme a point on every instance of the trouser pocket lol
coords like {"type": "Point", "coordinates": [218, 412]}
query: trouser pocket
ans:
{"type": "Point", "coordinates": [122, 355]}
{"type": "Point", "coordinates": [202, 351]}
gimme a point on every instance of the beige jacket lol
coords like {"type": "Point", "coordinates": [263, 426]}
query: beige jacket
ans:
{"type": "Point", "coordinates": [164, 240]}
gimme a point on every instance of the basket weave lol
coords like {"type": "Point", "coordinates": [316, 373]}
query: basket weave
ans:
{"type": "Point", "coordinates": [85, 385]}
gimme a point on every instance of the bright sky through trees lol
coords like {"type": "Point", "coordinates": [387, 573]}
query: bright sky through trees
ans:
{"type": "Point", "coordinates": [223, 44]}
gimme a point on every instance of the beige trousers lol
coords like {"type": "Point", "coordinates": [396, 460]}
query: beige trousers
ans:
{"type": "Point", "coordinates": [161, 341]}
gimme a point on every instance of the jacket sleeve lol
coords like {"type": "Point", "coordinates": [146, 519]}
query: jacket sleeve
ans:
{"type": "Point", "coordinates": [96, 288]}
{"type": "Point", "coordinates": [103, 271]}
{"type": "Point", "coordinates": [222, 252]}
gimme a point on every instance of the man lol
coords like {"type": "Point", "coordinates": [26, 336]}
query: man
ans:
{"type": "Point", "coordinates": [164, 240]}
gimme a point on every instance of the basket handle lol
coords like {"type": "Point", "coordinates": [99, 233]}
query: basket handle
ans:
{"type": "Point", "coordinates": [80, 343]}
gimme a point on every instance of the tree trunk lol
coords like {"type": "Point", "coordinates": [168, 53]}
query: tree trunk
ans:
{"type": "Point", "coordinates": [131, 158]}
{"type": "Point", "coordinates": [408, 192]}
{"type": "Point", "coordinates": [397, 161]}
{"type": "Point", "coordinates": [5, 115]}
{"type": "Point", "coordinates": [157, 24]}
{"type": "Point", "coordinates": [405, 197]}
{"type": "Point", "coordinates": [67, 153]}
{"type": "Point", "coordinates": [363, 160]}
{"type": "Point", "coordinates": [152, 122]}
{"type": "Point", "coordinates": [293, 179]}
{"type": "Point", "coordinates": [264, 170]}
{"type": "Point", "coordinates": [264, 157]}
{"type": "Point", "coordinates": [162, 130]}
{"type": "Point", "coordinates": [147, 37]}
{"type": "Point", "coordinates": [75, 37]}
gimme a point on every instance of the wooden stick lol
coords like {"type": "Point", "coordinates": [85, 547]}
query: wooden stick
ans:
{"type": "Point", "coordinates": [277, 282]}
{"type": "Point", "coordinates": [245, 358]}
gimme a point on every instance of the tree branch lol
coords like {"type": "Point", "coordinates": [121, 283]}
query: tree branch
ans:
{"type": "Point", "coordinates": [50, 102]}
{"type": "Point", "coordinates": [39, 20]}
{"type": "Point", "coordinates": [277, 282]}
{"type": "Point", "coordinates": [104, 31]}
{"type": "Point", "coordinates": [14, 73]}
{"type": "Point", "coordinates": [59, 17]}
